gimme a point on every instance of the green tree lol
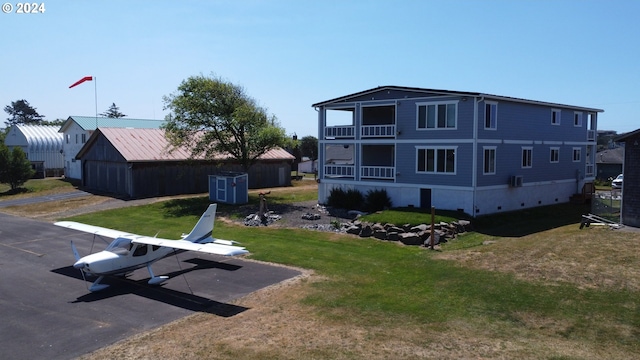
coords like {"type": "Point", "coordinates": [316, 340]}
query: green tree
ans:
{"type": "Point", "coordinates": [22, 113]}
{"type": "Point", "coordinates": [15, 168]}
{"type": "Point", "coordinates": [113, 112]}
{"type": "Point", "coordinates": [3, 134]}
{"type": "Point", "coordinates": [309, 147]}
{"type": "Point", "coordinates": [56, 122]}
{"type": "Point", "coordinates": [212, 117]}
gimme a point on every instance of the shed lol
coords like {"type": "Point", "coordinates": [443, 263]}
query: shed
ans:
{"type": "Point", "coordinates": [43, 146]}
{"type": "Point", "coordinates": [229, 188]}
{"type": "Point", "coordinates": [630, 211]}
{"type": "Point", "coordinates": [138, 163]}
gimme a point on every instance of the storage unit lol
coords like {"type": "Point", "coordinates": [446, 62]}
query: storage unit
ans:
{"type": "Point", "coordinates": [229, 188]}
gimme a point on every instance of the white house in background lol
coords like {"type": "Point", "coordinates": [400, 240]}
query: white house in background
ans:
{"type": "Point", "coordinates": [307, 165]}
{"type": "Point", "coordinates": [42, 145]}
{"type": "Point", "coordinates": [77, 130]}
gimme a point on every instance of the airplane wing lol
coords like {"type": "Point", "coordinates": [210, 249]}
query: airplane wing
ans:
{"type": "Point", "coordinates": [96, 230]}
{"type": "Point", "coordinates": [210, 248]}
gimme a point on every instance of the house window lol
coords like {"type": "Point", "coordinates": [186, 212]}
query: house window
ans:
{"type": "Point", "coordinates": [491, 115]}
{"type": "Point", "coordinates": [84, 138]}
{"type": "Point", "coordinates": [577, 154]}
{"type": "Point", "coordinates": [554, 155]}
{"type": "Point", "coordinates": [577, 119]}
{"type": "Point", "coordinates": [68, 138]}
{"type": "Point", "coordinates": [437, 115]}
{"type": "Point", "coordinates": [555, 117]}
{"type": "Point", "coordinates": [489, 160]}
{"type": "Point", "coordinates": [76, 138]}
{"type": "Point", "coordinates": [436, 160]}
{"type": "Point", "coordinates": [527, 154]}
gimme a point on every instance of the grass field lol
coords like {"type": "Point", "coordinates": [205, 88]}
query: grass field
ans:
{"type": "Point", "coordinates": [36, 187]}
{"type": "Point", "coordinates": [538, 288]}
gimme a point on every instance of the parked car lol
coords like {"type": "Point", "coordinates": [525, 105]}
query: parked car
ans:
{"type": "Point", "coordinates": [617, 182]}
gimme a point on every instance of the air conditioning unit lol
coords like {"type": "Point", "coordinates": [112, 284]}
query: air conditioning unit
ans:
{"type": "Point", "coordinates": [515, 181]}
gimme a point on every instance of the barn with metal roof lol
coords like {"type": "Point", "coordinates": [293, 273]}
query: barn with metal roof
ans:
{"type": "Point", "coordinates": [42, 145]}
{"type": "Point", "coordinates": [78, 129]}
{"type": "Point", "coordinates": [138, 163]}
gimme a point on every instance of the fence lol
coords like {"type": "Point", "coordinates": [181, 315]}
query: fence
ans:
{"type": "Point", "coordinates": [606, 204]}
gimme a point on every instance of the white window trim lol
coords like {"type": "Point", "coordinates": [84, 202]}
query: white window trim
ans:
{"type": "Point", "coordinates": [485, 115]}
{"type": "Point", "coordinates": [530, 148]}
{"type": "Point", "coordinates": [558, 117]}
{"type": "Point", "coordinates": [436, 148]}
{"type": "Point", "coordinates": [435, 103]}
{"type": "Point", "coordinates": [576, 150]}
{"type": "Point", "coordinates": [551, 152]}
{"type": "Point", "coordinates": [484, 159]}
{"type": "Point", "coordinates": [579, 114]}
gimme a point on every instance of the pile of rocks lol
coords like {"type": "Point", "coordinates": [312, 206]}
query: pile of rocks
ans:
{"type": "Point", "coordinates": [256, 220]}
{"type": "Point", "coordinates": [407, 234]}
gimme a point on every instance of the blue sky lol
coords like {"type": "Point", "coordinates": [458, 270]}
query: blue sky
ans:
{"type": "Point", "coordinates": [291, 54]}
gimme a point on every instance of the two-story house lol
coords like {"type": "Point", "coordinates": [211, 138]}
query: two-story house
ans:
{"type": "Point", "coordinates": [77, 130]}
{"type": "Point", "coordinates": [456, 150]}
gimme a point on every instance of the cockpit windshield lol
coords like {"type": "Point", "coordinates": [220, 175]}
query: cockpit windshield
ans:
{"type": "Point", "coordinates": [120, 246]}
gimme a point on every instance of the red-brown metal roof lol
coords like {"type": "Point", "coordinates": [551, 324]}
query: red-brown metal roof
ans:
{"type": "Point", "coordinates": [137, 145]}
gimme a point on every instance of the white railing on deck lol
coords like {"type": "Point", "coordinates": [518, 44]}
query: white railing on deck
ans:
{"type": "Point", "coordinates": [378, 131]}
{"type": "Point", "coordinates": [339, 170]}
{"type": "Point", "coordinates": [378, 172]}
{"type": "Point", "coordinates": [338, 132]}
{"type": "Point", "coordinates": [589, 170]}
{"type": "Point", "coordinates": [591, 135]}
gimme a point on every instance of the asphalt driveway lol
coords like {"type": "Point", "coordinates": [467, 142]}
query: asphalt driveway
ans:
{"type": "Point", "coordinates": [48, 313]}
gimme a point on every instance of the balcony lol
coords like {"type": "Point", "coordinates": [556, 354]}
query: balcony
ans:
{"type": "Point", "coordinates": [368, 131]}
{"type": "Point", "coordinates": [591, 135]}
{"type": "Point", "coordinates": [339, 132]}
{"type": "Point", "coordinates": [378, 172]}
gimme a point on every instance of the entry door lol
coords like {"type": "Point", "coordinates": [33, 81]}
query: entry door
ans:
{"type": "Point", "coordinates": [425, 198]}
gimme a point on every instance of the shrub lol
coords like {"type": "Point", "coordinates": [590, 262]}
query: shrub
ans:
{"type": "Point", "coordinates": [350, 199]}
{"type": "Point", "coordinates": [377, 200]}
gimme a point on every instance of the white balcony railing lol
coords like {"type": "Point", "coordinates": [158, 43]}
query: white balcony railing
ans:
{"type": "Point", "coordinates": [339, 171]}
{"type": "Point", "coordinates": [591, 135]}
{"type": "Point", "coordinates": [378, 131]}
{"type": "Point", "coordinates": [378, 172]}
{"type": "Point", "coordinates": [589, 170]}
{"type": "Point", "coordinates": [339, 132]}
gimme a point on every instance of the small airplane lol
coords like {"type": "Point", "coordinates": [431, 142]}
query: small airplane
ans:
{"type": "Point", "coordinates": [129, 252]}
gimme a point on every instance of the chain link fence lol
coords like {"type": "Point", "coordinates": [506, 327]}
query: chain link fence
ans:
{"type": "Point", "coordinates": [606, 204]}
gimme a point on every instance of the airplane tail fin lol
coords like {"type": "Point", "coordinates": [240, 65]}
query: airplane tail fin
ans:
{"type": "Point", "coordinates": [204, 227]}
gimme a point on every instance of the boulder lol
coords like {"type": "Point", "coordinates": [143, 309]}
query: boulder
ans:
{"type": "Point", "coordinates": [408, 238]}
{"type": "Point", "coordinates": [418, 228]}
{"type": "Point", "coordinates": [380, 234]}
{"type": "Point", "coordinates": [436, 239]}
{"type": "Point", "coordinates": [353, 229]}
{"type": "Point", "coordinates": [366, 231]}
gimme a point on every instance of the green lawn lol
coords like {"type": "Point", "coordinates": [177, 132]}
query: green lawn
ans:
{"type": "Point", "coordinates": [377, 283]}
{"type": "Point", "coordinates": [35, 187]}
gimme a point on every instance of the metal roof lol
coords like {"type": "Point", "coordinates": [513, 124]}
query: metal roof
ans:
{"type": "Point", "coordinates": [38, 137]}
{"type": "Point", "coordinates": [449, 92]}
{"type": "Point", "coordinates": [92, 122]}
{"type": "Point", "coordinates": [144, 145]}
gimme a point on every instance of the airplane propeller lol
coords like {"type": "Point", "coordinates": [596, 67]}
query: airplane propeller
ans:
{"type": "Point", "coordinates": [78, 265]}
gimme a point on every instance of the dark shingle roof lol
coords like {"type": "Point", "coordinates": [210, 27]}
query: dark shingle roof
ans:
{"type": "Point", "coordinates": [448, 92]}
